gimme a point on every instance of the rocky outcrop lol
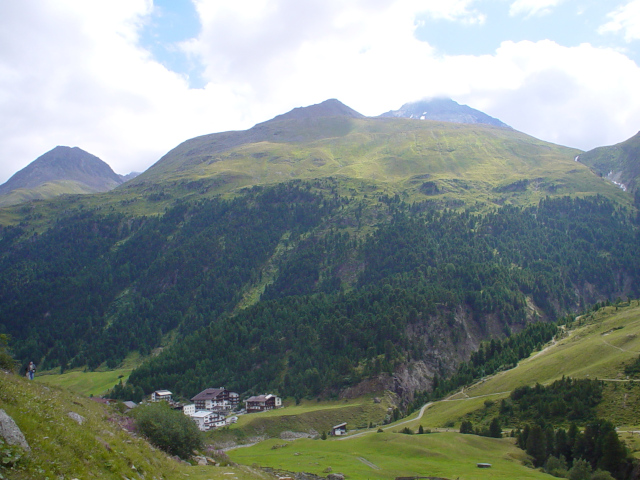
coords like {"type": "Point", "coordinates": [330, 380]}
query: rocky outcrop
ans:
{"type": "Point", "coordinates": [11, 433]}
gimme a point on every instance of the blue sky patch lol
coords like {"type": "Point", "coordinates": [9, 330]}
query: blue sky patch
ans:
{"type": "Point", "coordinates": [172, 22]}
{"type": "Point", "coordinates": [569, 24]}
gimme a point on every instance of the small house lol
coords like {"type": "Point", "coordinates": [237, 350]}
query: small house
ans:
{"type": "Point", "coordinates": [159, 395]}
{"type": "Point", "coordinates": [339, 430]}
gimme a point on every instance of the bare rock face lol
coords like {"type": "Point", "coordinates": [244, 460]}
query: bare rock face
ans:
{"type": "Point", "coordinates": [11, 432]}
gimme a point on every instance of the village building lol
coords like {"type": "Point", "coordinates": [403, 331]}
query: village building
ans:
{"type": "Point", "coordinates": [159, 395]}
{"type": "Point", "coordinates": [213, 399]}
{"type": "Point", "coordinates": [262, 403]}
{"type": "Point", "coordinates": [339, 430]}
{"type": "Point", "coordinates": [204, 419]}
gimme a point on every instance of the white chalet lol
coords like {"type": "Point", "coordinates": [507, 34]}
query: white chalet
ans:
{"type": "Point", "coordinates": [262, 403]}
{"type": "Point", "coordinates": [204, 419]}
{"type": "Point", "coordinates": [215, 399]}
{"type": "Point", "coordinates": [161, 395]}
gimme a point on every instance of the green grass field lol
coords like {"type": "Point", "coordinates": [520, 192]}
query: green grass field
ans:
{"type": "Point", "coordinates": [95, 383]}
{"type": "Point", "coordinates": [389, 455]}
{"type": "Point", "coordinates": [87, 383]}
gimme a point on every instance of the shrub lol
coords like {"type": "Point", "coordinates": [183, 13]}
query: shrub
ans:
{"type": "Point", "coordinates": [556, 466]}
{"type": "Point", "coordinates": [168, 429]}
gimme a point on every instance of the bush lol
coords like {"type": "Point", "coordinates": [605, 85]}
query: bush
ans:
{"type": "Point", "coordinates": [466, 427]}
{"type": "Point", "coordinates": [581, 470]}
{"type": "Point", "coordinates": [6, 360]}
{"type": "Point", "coordinates": [556, 466]}
{"type": "Point", "coordinates": [168, 429]}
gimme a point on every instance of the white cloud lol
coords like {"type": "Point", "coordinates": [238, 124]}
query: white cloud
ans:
{"type": "Point", "coordinates": [530, 8]}
{"type": "Point", "coordinates": [580, 96]}
{"type": "Point", "coordinates": [72, 73]}
{"type": "Point", "coordinates": [625, 19]}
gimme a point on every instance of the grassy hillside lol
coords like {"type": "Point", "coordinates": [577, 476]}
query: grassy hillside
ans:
{"type": "Point", "coordinates": [308, 417]}
{"type": "Point", "coordinates": [97, 448]}
{"type": "Point", "coordinates": [619, 163]}
{"type": "Point", "coordinates": [463, 162]}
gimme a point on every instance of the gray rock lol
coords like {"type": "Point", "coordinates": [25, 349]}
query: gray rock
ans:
{"type": "Point", "coordinates": [78, 418]}
{"type": "Point", "coordinates": [335, 476]}
{"type": "Point", "coordinates": [11, 432]}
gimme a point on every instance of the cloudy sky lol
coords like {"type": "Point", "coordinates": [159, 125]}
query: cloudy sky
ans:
{"type": "Point", "coordinates": [127, 80]}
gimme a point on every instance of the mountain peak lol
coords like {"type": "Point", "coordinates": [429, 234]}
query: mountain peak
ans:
{"type": "Point", "coordinates": [69, 165]}
{"type": "Point", "coordinates": [444, 110]}
{"type": "Point", "coordinates": [328, 108]}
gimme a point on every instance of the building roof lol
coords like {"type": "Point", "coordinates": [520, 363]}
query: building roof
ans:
{"type": "Point", "coordinates": [162, 392]}
{"type": "Point", "coordinates": [201, 414]}
{"type": "Point", "coordinates": [208, 394]}
{"type": "Point", "coordinates": [260, 398]}
{"type": "Point", "coordinates": [257, 398]}
{"type": "Point", "coordinates": [340, 425]}
{"type": "Point", "coordinates": [130, 404]}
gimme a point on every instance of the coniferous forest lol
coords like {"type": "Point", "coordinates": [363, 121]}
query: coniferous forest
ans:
{"type": "Point", "coordinates": [301, 290]}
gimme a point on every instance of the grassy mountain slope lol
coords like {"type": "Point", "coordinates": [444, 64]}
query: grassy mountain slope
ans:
{"type": "Point", "coordinates": [417, 159]}
{"type": "Point", "coordinates": [599, 345]}
{"type": "Point", "coordinates": [620, 163]}
{"type": "Point", "coordinates": [97, 448]}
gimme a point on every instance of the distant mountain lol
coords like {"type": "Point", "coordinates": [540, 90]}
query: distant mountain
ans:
{"type": "Point", "coordinates": [443, 110]}
{"type": "Point", "coordinates": [328, 108]}
{"type": "Point", "coordinates": [59, 171]}
{"type": "Point", "coordinates": [620, 163]}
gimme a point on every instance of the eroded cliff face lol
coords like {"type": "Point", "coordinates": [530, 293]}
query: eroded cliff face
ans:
{"type": "Point", "coordinates": [442, 343]}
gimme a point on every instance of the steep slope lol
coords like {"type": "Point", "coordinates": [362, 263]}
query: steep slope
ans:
{"type": "Point", "coordinates": [619, 163]}
{"type": "Point", "coordinates": [443, 110]}
{"type": "Point", "coordinates": [75, 437]}
{"type": "Point", "coordinates": [59, 171]}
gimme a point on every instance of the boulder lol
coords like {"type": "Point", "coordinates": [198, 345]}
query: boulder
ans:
{"type": "Point", "coordinates": [78, 418]}
{"type": "Point", "coordinates": [11, 432]}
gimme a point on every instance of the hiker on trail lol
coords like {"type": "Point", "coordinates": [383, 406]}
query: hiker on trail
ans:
{"type": "Point", "coordinates": [31, 370]}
